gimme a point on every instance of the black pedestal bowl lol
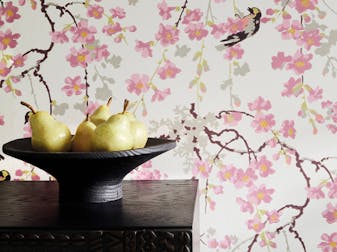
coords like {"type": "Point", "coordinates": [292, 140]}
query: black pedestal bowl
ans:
{"type": "Point", "coordinates": [93, 177]}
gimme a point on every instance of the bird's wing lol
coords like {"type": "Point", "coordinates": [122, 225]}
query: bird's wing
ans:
{"type": "Point", "coordinates": [234, 38]}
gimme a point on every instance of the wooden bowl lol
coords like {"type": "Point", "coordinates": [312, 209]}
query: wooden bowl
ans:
{"type": "Point", "coordinates": [88, 176]}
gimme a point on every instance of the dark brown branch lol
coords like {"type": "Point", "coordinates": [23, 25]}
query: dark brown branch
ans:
{"type": "Point", "coordinates": [181, 13]}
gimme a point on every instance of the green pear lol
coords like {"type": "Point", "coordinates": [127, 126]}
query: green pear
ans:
{"type": "Point", "coordinates": [139, 131]}
{"type": "Point", "coordinates": [114, 134]}
{"type": "Point", "coordinates": [83, 136]}
{"type": "Point", "coordinates": [140, 134]}
{"type": "Point", "coordinates": [48, 134]}
{"type": "Point", "coordinates": [101, 114]}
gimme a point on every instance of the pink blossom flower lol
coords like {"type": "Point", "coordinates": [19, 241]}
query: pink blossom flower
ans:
{"type": "Point", "coordinates": [4, 70]}
{"type": "Point", "coordinates": [218, 189]}
{"type": "Point", "coordinates": [145, 174]}
{"type": "Point", "coordinates": [18, 173]}
{"type": "Point", "coordinates": [259, 104]}
{"type": "Point", "coordinates": [244, 178]}
{"type": "Point", "coordinates": [196, 31]}
{"type": "Point", "coordinates": [333, 112]}
{"type": "Point", "coordinates": [303, 5]}
{"type": "Point", "coordinates": [147, 164]}
{"type": "Point", "coordinates": [257, 195]}
{"type": "Point", "coordinates": [201, 167]}
{"type": "Point", "coordinates": [82, 33]}
{"type": "Point", "coordinates": [226, 242]}
{"type": "Point", "coordinates": [273, 216]}
{"type": "Point", "coordinates": [330, 213]}
{"type": "Point", "coordinates": [262, 122]}
{"type": "Point", "coordinates": [131, 28]}
{"type": "Point", "coordinates": [19, 60]}
{"type": "Point", "coordinates": [290, 30]}
{"type": "Point", "coordinates": [234, 52]}
{"type": "Point", "coordinates": [144, 48]}
{"type": "Point", "coordinates": [164, 10]}
{"type": "Point", "coordinates": [288, 129]}
{"type": "Point", "coordinates": [138, 83]}
{"type": "Point", "coordinates": [73, 86]}
{"type": "Point", "coordinates": [35, 176]}
{"type": "Point", "coordinates": [192, 16]}
{"type": "Point", "coordinates": [315, 94]}
{"type": "Point", "coordinates": [96, 11]}
{"type": "Point", "coordinates": [245, 206]}
{"type": "Point", "coordinates": [218, 30]}
{"type": "Point", "coordinates": [59, 37]}
{"type": "Point", "coordinates": [315, 192]}
{"type": "Point", "coordinates": [2, 121]}
{"type": "Point", "coordinates": [300, 62]}
{"type": "Point", "coordinates": [232, 118]}
{"type": "Point", "coordinates": [227, 173]}
{"type": "Point", "coordinates": [79, 58]}
{"type": "Point", "coordinates": [279, 60]}
{"type": "Point", "coordinates": [235, 25]}
{"type": "Point", "coordinates": [211, 204]}
{"type": "Point", "coordinates": [27, 130]}
{"type": "Point", "coordinates": [332, 186]}
{"type": "Point", "coordinates": [118, 12]}
{"type": "Point", "coordinates": [266, 240]}
{"type": "Point", "coordinates": [310, 38]}
{"type": "Point", "coordinates": [8, 39]}
{"type": "Point", "coordinates": [213, 243]}
{"type": "Point", "coordinates": [160, 95]}
{"type": "Point", "coordinates": [101, 52]}
{"type": "Point", "coordinates": [167, 35]}
{"type": "Point", "coordinates": [169, 70]}
{"type": "Point", "coordinates": [293, 87]}
{"type": "Point", "coordinates": [91, 107]}
{"type": "Point", "coordinates": [329, 243]}
{"type": "Point", "coordinates": [255, 224]}
{"type": "Point", "coordinates": [263, 165]}
{"type": "Point", "coordinates": [10, 12]}
{"type": "Point", "coordinates": [332, 128]}
{"type": "Point", "coordinates": [111, 29]}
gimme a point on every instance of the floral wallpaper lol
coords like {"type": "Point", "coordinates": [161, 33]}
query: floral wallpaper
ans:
{"type": "Point", "coordinates": [246, 88]}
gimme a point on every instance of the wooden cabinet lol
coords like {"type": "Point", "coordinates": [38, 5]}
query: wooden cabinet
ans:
{"type": "Point", "coordinates": [158, 215]}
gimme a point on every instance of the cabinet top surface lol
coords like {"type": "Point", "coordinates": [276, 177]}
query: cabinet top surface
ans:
{"type": "Point", "coordinates": [145, 204]}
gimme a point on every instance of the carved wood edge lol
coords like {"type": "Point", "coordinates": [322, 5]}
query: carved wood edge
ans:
{"type": "Point", "coordinates": [144, 240]}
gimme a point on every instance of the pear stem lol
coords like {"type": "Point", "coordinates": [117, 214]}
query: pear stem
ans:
{"type": "Point", "coordinates": [28, 106]}
{"type": "Point", "coordinates": [109, 101]}
{"type": "Point", "coordinates": [87, 117]}
{"type": "Point", "coordinates": [126, 104]}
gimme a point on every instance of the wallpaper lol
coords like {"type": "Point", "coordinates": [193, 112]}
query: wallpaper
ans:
{"type": "Point", "coordinates": [246, 88]}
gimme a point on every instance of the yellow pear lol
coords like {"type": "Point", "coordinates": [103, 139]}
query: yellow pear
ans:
{"type": "Point", "coordinates": [48, 134]}
{"type": "Point", "coordinates": [83, 136]}
{"type": "Point", "coordinates": [114, 134]}
{"type": "Point", "coordinates": [101, 114]}
{"type": "Point", "coordinates": [139, 131]}
{"type": "Point", "coordinates": [140, 134]}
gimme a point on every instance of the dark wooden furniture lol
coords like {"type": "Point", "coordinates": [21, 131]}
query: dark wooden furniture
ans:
{"type": "Point", "coordinates": [157, 215]}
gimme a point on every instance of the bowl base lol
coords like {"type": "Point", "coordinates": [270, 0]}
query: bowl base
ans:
{"type": "Point", "coordinates": [97, 193]}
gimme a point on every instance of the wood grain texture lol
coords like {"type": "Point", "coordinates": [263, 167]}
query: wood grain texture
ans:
{"type": "Point", "coordinates": [162, 203]}
{"type": "Point", "coordinates": [152, 216]}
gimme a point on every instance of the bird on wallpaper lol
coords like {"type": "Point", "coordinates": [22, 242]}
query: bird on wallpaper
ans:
{"type": "Point", "coordinates": [250, 23]}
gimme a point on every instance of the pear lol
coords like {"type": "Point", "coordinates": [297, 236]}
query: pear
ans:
{"type": "Point", "coordinates": [48, 134]}
{"type": "Point", "coordinates": [83, 136]}
{"type": "Point", "coordinates": [101, 114]}
{"type": "Point", "coordinates": [139, 131]}
{"type": "Point", "coordinates": [114, 134]}
{"type": "Point", "coordinates": [140, 134]}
